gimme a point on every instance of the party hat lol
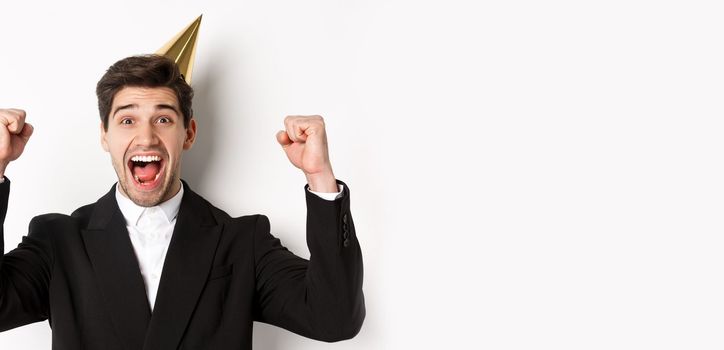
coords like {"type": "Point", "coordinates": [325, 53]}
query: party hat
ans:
{"type": "Point", "coordinates": [182, 49]}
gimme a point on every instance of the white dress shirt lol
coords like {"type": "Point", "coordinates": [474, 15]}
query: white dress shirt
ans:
{"type": "Point", "coordinates": [150, 230]}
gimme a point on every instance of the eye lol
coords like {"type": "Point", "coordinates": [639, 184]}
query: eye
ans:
{"type": "Point", "coordinates": [126, 121]}
{"type": "Point", "coordinates": [164, 120]}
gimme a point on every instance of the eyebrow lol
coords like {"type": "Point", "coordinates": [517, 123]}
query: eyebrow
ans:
{"type": "Point", "coordinates": [158, 107]}
{"type": "Point", "coordinates": [119, 108]}
{"type": "Point", "coordinates": [166, 106]}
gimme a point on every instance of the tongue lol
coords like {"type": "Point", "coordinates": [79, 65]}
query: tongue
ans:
{"type": "Point", "coordinates": [146, 173]}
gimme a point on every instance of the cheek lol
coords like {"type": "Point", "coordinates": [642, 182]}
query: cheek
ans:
{"type": "Point", "coordinates": [175, 144]}
{"type": "Point", "coordinates": [116, 149]}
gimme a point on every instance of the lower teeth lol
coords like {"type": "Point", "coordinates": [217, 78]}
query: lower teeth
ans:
{"type": "Point", "coordinates": [138, 179]}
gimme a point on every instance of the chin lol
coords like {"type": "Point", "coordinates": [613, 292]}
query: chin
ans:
{"type": "Point", "coordinates": [145, 200]}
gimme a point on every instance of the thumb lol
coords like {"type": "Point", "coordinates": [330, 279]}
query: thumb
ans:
{"type": "Point", "coordinates": [283, 138]}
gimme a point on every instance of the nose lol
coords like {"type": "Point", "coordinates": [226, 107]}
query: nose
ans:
{"type": "Point", "coordinates": [146, 135]}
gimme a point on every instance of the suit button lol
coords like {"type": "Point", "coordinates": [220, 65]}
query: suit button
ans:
{"type": "Point", "coordinates": [345, 228]}
{"type": "Point", "coordinates": [344, 218]}
{"type": "Point", "coordinates": [346, 235]}
{"type": "Point", "coordinates": [346, 243]}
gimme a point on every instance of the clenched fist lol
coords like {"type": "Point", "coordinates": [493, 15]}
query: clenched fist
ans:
{"type": "Point", "coordinates": [14, 135]}
{"type": "Point", "coordinates": [305, 143]}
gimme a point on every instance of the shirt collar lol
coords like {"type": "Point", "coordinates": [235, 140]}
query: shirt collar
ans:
{"type": "Point", "coordinates": [132, 211]}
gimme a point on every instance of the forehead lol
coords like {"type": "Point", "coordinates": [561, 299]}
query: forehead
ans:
{"type": "Point", "coordinates": [145, 95]}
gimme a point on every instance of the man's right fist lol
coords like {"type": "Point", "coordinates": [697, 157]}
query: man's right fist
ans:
{"type": "Point", "coordinates": [14, 135]}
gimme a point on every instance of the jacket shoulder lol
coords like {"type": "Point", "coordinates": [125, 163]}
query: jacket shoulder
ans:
{"type": "Point", "coordinates": [222, 217]}
{"type": "Point", "coordinates": [78, 220]}
{"type": "Point", "coordinates": [44, 226]}
{"type": "Point", "coordinates": [82, 215]}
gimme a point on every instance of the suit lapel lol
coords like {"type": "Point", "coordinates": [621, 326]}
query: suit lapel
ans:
{"type": "Point", "coordinates": [187, 265]}
{"type": "Point", "coordinates": [116, 270]}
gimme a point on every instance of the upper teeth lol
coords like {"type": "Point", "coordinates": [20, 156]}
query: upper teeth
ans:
{"type": "Point", "coordinates": [146, 158]}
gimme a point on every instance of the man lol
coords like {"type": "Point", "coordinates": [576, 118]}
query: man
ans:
{"type": "Point", "coordinates": [152, 265]}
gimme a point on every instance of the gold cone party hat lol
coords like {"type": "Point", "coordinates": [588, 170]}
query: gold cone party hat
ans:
{"type": "Point", "coordinates": [182, 49]}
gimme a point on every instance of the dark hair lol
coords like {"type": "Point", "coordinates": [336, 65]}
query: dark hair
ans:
{"type": "Point", "coordinates": [143, 71]}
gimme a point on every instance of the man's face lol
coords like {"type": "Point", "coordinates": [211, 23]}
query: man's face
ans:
{"type": "Point", "coordinates": [145, 138]}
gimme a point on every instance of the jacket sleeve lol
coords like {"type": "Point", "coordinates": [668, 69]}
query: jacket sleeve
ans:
{"type": "Point", "coordinates": [24, 275]}
{"type": "Point", "coordinates": [320, 298]}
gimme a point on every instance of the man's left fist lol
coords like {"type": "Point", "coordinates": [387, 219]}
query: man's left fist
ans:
{"type": "Point", "coordinates": [305, 143]}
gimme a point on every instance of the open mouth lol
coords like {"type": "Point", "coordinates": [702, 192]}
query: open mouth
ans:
{"type": "Point", "coordinates": [145, 170]}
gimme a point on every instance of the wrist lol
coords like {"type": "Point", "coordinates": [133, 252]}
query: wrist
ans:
{"type": "Point", "coordinates": [322, 182]}
{"type": "Point", "coordinates": [3, 166]}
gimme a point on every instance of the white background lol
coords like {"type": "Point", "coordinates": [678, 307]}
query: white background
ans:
{"type": "Point", "coordinates": [524, 174]}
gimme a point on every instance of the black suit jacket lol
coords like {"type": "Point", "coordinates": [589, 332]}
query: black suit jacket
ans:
{"type": "Point", "coordinates": [220, 274]}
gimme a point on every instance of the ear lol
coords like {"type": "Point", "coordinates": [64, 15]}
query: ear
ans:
{"type": "Point", "coordinates": [190, 134]}
{"type": "Point", "coordinates": [104, 142]}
